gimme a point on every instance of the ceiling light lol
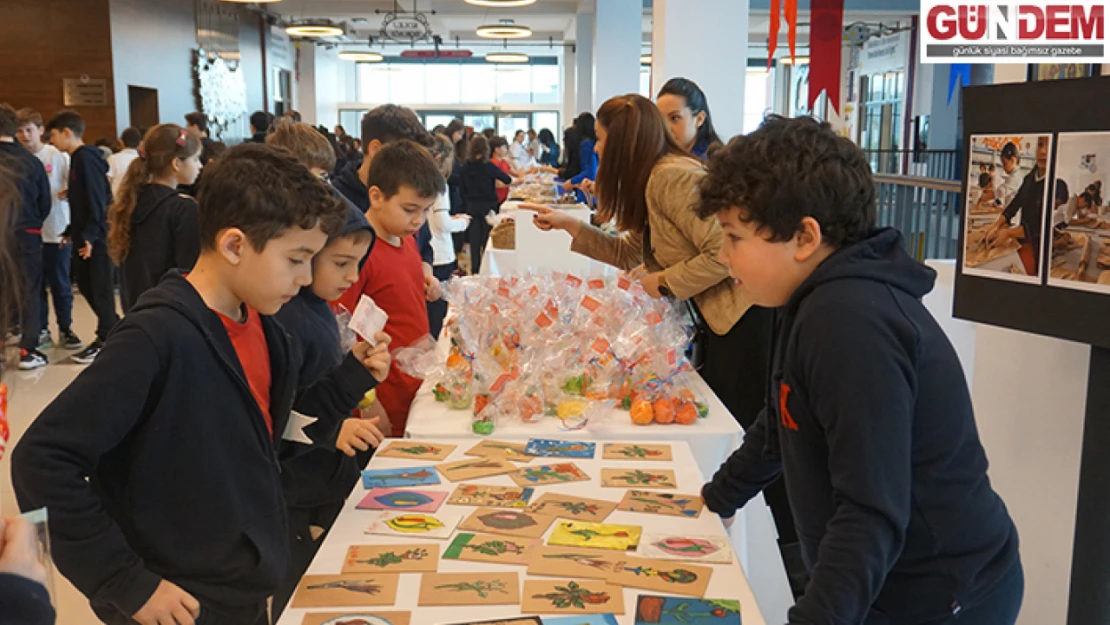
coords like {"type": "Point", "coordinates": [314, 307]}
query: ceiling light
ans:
{"type": "Point", "coordinates": [313, 29]}
{"type": "Point", "coordinates": [507, 57]}
{"type": "Point", "coordinates": [505, 29]}
{"type": "Point", "coordinates": [361, 56]}
{"type": "Point", "coordinates": [799, 60]}
{"type": "Point", "coordinates": [501, 4]}
{"type": "Point", "coordinates": [645, 59]}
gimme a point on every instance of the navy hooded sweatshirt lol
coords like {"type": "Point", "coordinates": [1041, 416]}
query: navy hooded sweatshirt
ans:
{"type": "Point", "coordinates": [870, 421]}
{"type": "Point", "coordinates": [89, 196]}
{"type": "Point", "coordinates": [32, 182]}
{"type": "Point", "coordinates": [350, 185]}
{"type": "Point", "coordinates": [164, 235]}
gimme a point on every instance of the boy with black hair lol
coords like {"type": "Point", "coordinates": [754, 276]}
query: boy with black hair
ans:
{"type": "Point", "coordinates": [198, 123]}
{"type": "Point", "coordinates": [120, 161]}
{"type": "Point", "coordinates": [868, 415]}
{"type": "Point", "coordinates": [89, 196]}
{"type": "Point", "coordinates": [181, 517]}
{"type": "Point", "coordinates": [260, 125]}
{"type": "Point", "coordinates": [34, 208]}
{"type": "Point", "coordinates": [404, 185]}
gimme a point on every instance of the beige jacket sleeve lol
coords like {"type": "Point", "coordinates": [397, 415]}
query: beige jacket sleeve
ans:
{"type": "Point", "coordinates": [623, 251]}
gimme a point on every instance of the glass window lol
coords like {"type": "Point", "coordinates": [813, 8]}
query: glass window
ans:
{"type": "Point", "coordinates": [514, 84]}
{"type": "Point", "coordinates": [549, 120]}
{"type": "Point", "coordinates": [373, 82]}
{"type": "Point", "coordinates": [442, 83]}
{"type": "Point", "coordinates": [431, 120]}
{"type": "Point", "coordinates": [351, 121]}
{"type": "Point", "coordinates": [479, 122]}
{"type": "Point", "coordinates": [545, 84]}
{"type": "Point", "coordinates": [645, 82]}
{"type": "Point", "coordinates": [406, 84]}
{"type": "Point", "coordinates": [756, 84]}
{"type": "Point", "coordinates": [507, 125]}
{"type": "Point", "coordinates": [479, 84]}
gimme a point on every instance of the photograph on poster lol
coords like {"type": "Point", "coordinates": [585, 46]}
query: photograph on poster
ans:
{"type": "Point", "coordinates": [1005, 213]}
{"type": "Point", "coordinates": [1080, 222]}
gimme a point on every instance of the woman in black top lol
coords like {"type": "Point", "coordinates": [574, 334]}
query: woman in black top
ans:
{"type": "Point", "coordinates": [549, 149]}
{"type": "Point", "coordinates": [477, 181]}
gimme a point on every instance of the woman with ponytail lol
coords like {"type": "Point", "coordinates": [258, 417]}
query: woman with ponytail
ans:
{"type": "Point", "coordinates": [153, 227]}
{"type": "Point", "coordinates": [686, 110]}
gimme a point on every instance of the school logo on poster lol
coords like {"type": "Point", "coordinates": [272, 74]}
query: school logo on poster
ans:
{"type": "Point", "coordinates": [1007, 31]}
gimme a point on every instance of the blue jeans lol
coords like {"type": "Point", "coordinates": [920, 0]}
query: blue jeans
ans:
{"type": "Point", "coordinates": [55, 270]}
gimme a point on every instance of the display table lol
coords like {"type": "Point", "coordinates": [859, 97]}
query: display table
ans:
{"type": "Point", "coordinates": [727, 582]}
{"type": "Point", "coordinates": [540, 251]}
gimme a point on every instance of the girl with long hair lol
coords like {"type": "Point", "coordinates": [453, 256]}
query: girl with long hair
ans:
{"type": "Point", "coordinates": [686, 110]}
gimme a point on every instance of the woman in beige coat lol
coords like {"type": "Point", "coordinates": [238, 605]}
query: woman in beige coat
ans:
{"type": "Point", "coordinates": [648, 184]}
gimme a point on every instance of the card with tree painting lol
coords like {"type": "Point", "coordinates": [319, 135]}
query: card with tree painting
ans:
{"type": "Point", "coordinates": [491, 496]}
{"type": "Point", "coordinates": [671, 504]}
{"type": "Point", "coordinates": [580, 596]}
{"type": "Point", "coordinates": [515, 620]}
{"type": "Point", "coordinates": [492, 548]}
{"type": "Point", "coordinates": [440, 525]}
{"type": "Point", "coordinates": [636, 451]}
{"type": "Point", "coordinates": [513, 452]}
{"type": "Point", "coordinates": [679, 578]}
{"type": "Point", "coordinates": [655, 610]}
{"type": "Point", "coordinates": [595, 535]}
{"type": "Point", "coordinates": [391, 558]}
{"type": "Point", "coordinates": [414, 450]}
{"type": "Point", "coordinates": [500, 588]}
{"type": "Point", "coordinates": [507, 522]}
{"type": "Point", "coordinates": [638, 478]}
{"type": "Point", "coordinates": [361, 617]}
{"type": "Point", "coordinates": [474, 468]}
{"type": "Point", "coordinates": [686, 547]}
{"type": "Point", "coordinates": [574, 562]}
{"type": "Point", "coordinates": [407, 499]}
{"type": "Point", "coordinates": [541, 475]}
{"type": "Point", "coordinates": [354, 589]}
{"type": "Point", "coordinates": [571, 507]}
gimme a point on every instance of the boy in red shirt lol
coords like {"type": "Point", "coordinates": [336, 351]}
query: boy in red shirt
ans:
{"type": "Point", "coordinates": [404, 183]}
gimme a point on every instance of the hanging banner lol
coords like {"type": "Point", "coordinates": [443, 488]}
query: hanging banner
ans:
{"type": "Point", "coordinates": [790, 8]}
{"type": "Point", "coordinates": [825, 44]}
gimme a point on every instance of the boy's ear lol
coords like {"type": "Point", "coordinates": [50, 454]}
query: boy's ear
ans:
{"type": "Point", "coordinates": [372, 148]}
{"type": "Point", "coordinates": [231, 244]}
{"type": "Point", "coordinates": [808, 239]}
{"type": "Point", "coordinates": [376, 196]}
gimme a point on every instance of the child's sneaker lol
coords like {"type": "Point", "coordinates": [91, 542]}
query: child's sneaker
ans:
{"type": "Point", "coordinates": [45, 340]}
{"type": "Point", "coordinates": [31, 359]}
{"type": "Point", "coordinates": [89, 354]}
{"type": "Point", "coordinates": [70, 341]}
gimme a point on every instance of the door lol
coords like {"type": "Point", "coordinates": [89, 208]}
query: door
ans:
{"type": "Point", "coordinates": [144, 107]}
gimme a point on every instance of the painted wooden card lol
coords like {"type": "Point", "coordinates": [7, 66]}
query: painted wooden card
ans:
{"type": "Point", "coordinates": [391, 558]}
{"type": "Point", "coordinates": [586, 619]}
{"type": "Point", "coordinates": [395, 478]}
{"type": "Point", "coordinates": [679, 578]}
{"type": "Point", "coordinates": [512, 620]}
{"type": "Point", "coordinates": [508, 522]}
{"type": "Point", "coordinates": [405, 448]}
{"type": "Point", "coordinates": [541, 475]}
{"type": "Point", "coordinates": [513, 452]}
{"type": "Point", "coordinates": [563, 449]}
{"type": "Point", "coordinates": [638, 478]}
{"type": "Point", "coordinates": [635, 451]}
{"type": "Point", "coordinates": [500, 588]}
{"type": "Point", "coordinates": [595, 535]}
{"type": "Point", "coordinates": [474, 468]}
{"type": "Point", "coordinates": [491, 496]}
{"type": "Point", "coordinates": [415, 524]}
{"type": "Point", "coordinates": [671, 504]}
{"type": "Point", "coordinates": [492, 548]}
{"type": "Point", "coordinates": [361, 617]}
{"type": "Point", "coordinates": [345, 590]}
{"type": "Point", "coordinates": [686, 547]}
{"type": "Point", "coordinates": [655, 610]}
{"type": "Point", "coordinates": [407, 499]}
{"type": "Point", "coordinates": [571, 507]}
{"type": "Point", "coordinates": [574, 562]}
{"type": "Point", "coordinates": [583, 596]}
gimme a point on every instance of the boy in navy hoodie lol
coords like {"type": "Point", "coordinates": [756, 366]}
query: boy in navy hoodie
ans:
{"type": "Point", "coordinates": [176, 425]}
{"type": "Point", "coordinates": [868, 415]}
{"type": "Point", "coordinates": [89, 196]}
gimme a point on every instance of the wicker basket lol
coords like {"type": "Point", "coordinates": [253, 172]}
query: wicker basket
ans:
{"type": "Point", "coordinates": [503, 235]}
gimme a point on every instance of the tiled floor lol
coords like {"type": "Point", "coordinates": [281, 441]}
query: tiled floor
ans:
{"type": "Point", "coordinates": [30, 392]}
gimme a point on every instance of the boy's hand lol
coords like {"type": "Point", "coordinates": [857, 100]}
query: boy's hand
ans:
{"type": "Point", "coordinates": [358, 435]}
{"type": "Point", "coordinates": [19, 550]}
{"type": "Point", "coordinates": [86, 251]}
{"type": "Point", "coordinates": [433, 291]}
{"type": "Point", "coordinates": [169, 605]}
{"type": "Point", "coordinates": [376, 411]}
{"type": "Point", "coordinates": [375, 358]}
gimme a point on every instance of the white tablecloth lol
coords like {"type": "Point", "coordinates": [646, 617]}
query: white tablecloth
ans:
{"type": "Point", "coordinates": [540, 251]}
{"type": "Point", "coordinates": [728, 581]}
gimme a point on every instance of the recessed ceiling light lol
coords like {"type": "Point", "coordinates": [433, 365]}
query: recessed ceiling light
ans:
{"type": "Point", "coordinates": [361, 56]}
{"type": "Point", "coordinates": [645, 59]}
{"type": "Point", "coordinates": [313, 29]}
{"type": "Point", "coordinates": [507, 57]}
{"type": "Point", "coordinates": [505, 29]}
{"type": "Point", "coordinates": [501, 4]}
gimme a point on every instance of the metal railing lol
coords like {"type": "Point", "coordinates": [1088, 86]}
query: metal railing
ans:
{"type": "Point", "coordinates": [925, 210]}
{"type": "Point", "coordinates": [940, 164]}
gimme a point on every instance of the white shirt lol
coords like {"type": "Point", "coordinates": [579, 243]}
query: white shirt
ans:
{"type": "Point", "coordinates": [520, 156]}
{"type": "Point", "coordinates": [442, 224]}
{"type": "Point", "coordinates": [1006, 185]}
{"type": "Point", "coordinates": [56, 164]}
{"type": "Point", "coordinates": [117, 166]}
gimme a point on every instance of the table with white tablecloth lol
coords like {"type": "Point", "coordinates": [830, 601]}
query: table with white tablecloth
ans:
{"type": "Point", "coordinates": [540, 251]}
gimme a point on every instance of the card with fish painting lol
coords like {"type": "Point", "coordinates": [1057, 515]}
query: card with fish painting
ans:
{"type": "Point", "coordinates": [353, 589]}
{"type": "Point", "coordinates": [580, 596]}
{"type": "Point", "coordinates": [414, 524]}
{"type": "Point", "coordinates": [395, 478]}
{"type": "Point", "coordinates": [491, 548]}
{"type": "Point", "coordinates": [402, 499]}
{"type": "Point", "coordinates": [391, 558]}
{"type": "Point", "coordinates": [679, 578]}
{"type": "Point", "coordinates": [570, 507]}
{"type": "Point", "coordinates": [512, 620]}
{"type": "Point", "coordinates": [595, 535]}
{"type": "Point", "coordinates": [507, 522]}
{"type": "Point", "coordinates": [415, 450]}
{"type": "Point", "coordinates": [564, 449]}
{"type": "Point", "coordinates": [474, 468]}
{"type": "Point", "coordinates": [542, 475]}
{"type": "Point", "coordinates": [686, 547]}
{"type": "Point", "coordinates": [574, 562]}
{"type": "Point", "coordinates": [491, 496]}
{"type": "Point", "coordinates": [638, 478]}
{"type": "Point", "coordinates": [636, 451]}
{"type": "Point", "coordinates": [500, 588]}
{"type": "Point", "coordinates": [671, 504]}
{"type": "Point", "coordinates": [361, 617]}
{"type": "Point", "coordinates": [655, 610]}
{"type": "Point", "coordinates": [513, 452]}
{"type": "Point", "coordinates": [606, 618]}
